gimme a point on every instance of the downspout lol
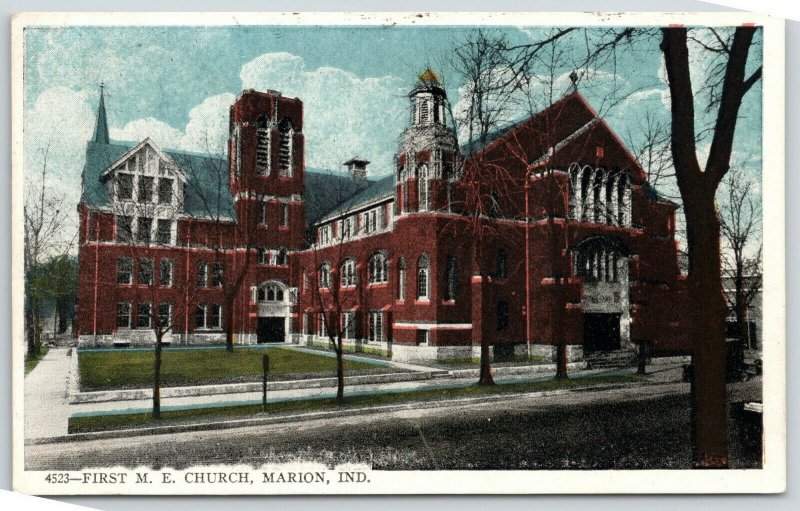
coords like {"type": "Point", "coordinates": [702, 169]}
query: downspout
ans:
{"type": "Point", "coordinates": [186, 290]}
{"type": "Point", "coordinates": [96, 271]}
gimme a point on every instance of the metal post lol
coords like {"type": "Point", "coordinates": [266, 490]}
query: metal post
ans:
{"type": "Point", "coordinates": [265, 372]}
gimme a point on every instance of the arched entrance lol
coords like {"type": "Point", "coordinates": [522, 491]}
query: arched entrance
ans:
{"type": "Point", "coordinates": [602, 264]}
{"type": "Point", "coordinates": [273, 312]}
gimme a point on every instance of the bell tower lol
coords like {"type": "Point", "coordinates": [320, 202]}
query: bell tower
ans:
{"type": "Point", "coordinates": [427, 158]}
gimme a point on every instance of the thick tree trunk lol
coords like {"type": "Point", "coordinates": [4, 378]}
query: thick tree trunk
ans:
{"type": "Point", "coordinates": [707, 313]}
{"type": "Point", "coordinates": [157, 379]}
{"type": "Point", "coordinates": [339, 371]}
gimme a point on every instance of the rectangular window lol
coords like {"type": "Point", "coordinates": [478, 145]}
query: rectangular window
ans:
{"type": "Point", "coordinates": [216, 275]}
{"type": "Point", "coordinates": [348, 270]}
{"type": "Point", "coordinates": [143, 228]}
{"type": "Point", "coordinates": [321, 330]}
{"type": "Point", "coordinates": [263, 256]}
{"type": "Point", "coordinates": [423, 337]}
{"type": "Point", "coordinates": [285, 221]}
{"type": "Point", "coordinates": [124, 270]}
{"type": "Point", "coordinates": [373, 221]}
{"type": "Point", "coordinates": [165, 272]}
{"type": "Point", "coordinates": [145, 189]}
{"type": "Point", "coordinates": [349, 325]}
{"type": "Point", "coordinates": [124, 186]}
{"type": "Point", "coordinates": [124, 315]}
{"type": "Point", "coordinates": [164, 232]}
{"type": "Point", "coordinates": [202, 275]}
{"type": "Point", "coordinates": [124, 229]}
{"type": "Point", "coordinates": [200, 315]}
{"type": "Point", "coordinates": [375, 326]}
{"type": "Point", "coordinates": [143, 320]}
{"type": "Point", "coordinates": [216, 316]}
{"type": "Point", "coordinates": [401, 284]}
{"type": "Point", "coordinates": [165, 190]}
{"type": "Point", "coordinates": [164, 315]}
{"type": "Point", "coordinates": [262, 213]}
{"type": "Point", "coordinates": [146, 272]}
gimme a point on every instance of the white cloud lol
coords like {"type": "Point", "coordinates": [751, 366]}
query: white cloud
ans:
{"type": "Point", "coordinates": [207, 129]}
{"type": "Point", "coordinates": [344, 115]}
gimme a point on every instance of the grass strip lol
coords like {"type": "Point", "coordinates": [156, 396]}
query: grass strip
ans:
{"type": "Point", "coordinates": [171, 417]}
{"type": "Point", "coordinates": [32, 362]}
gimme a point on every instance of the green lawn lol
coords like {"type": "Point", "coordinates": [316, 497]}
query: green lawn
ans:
{"type": "Point", "coordinates": [104, 370]}
{"type": "Point", "coordinates": [31, 362]}
{"type": "Point", "coordinates": [141, 420]}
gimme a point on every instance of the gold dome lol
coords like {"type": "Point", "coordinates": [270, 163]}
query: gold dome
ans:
{"type": "Point", "coordinates": [429, 76]}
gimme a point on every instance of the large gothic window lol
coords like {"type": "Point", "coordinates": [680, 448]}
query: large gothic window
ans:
{"type": "Point", "coordinates": [599, 260]}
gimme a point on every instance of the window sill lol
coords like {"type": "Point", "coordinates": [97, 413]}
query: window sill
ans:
{"type": "Point", "coordinates": [448, 302]}
{"type": "Point", "coordinates": [378, 284]}
{"type": "Point", "coordinates": [283, 227]}
{"type": "Point", "coordinates": [422, 301]}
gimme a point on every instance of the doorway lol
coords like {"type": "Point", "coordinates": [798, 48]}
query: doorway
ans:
{"type": "Point", "coordinates": [271, 329]}
{"type": "Point", "coordinates": [601, 332]}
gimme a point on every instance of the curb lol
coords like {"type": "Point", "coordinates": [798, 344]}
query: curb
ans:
{"type": "Point", "coordinates": [263, 421]}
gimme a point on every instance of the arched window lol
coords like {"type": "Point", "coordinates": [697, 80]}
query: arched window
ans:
{"type": "Point", "coordinates": [283, 257]}
{"type": "Point", "coordinates": [423, 274]}
{"type": "Point", "coordinates": [401, 279]}
{"type": "Point", "coordinates": [501, 264]}
{"type": "Point", "coordinates": [325, 275]}
{"type": "Point", "coordinates": [378, 271]}
{"type": "Point", "coordinates": [348, 273]}
{"type": "Point", "coordinates": [422, 182]}
{"type": "Point", "coordinates": [451, 278]}
{"type": "Point", "coordinates": [598, 260]}
{"type": "Point", "coordinates": [271, 292]}
{"type": "Point", "coordinates": [263, 151]}
{"type": "Point", "coordinates": [286, 148]}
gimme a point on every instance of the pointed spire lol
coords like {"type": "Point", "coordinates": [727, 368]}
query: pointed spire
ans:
{"type": "Point", "coordinates": [101, 127]}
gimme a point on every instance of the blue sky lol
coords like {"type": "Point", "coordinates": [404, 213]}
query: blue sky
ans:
{"type": "Point", "coordinates": [175, 85]}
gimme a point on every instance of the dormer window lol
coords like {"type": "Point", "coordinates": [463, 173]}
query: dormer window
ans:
{"type": "Point", "coordinates": [143, 227]}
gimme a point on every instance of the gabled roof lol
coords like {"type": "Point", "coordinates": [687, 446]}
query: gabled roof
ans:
{"type": "Point", "coordinates": [133, 150]}
{"type": "Point", "coordinates": [206, 192]}
{"type": "Point", "coordinates": [383, 188]}
{"type": "Point", "coordinates": [562, 130]}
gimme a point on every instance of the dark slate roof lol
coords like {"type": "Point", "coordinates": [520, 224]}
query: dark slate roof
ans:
{"type": "Point", "coordinates": [383, 187]}
{"type": "Point", "coordinates": [206, 194]}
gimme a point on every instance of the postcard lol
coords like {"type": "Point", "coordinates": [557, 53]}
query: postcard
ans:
{"type": "Point", "coordinates": [398, 253]}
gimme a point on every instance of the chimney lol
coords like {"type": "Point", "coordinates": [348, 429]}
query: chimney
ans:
{"type": "Point", "coordinates": [357, 167]}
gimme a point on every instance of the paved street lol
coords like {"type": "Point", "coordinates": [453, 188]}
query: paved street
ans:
{"type": "Point", "coordinates": [631, 428]}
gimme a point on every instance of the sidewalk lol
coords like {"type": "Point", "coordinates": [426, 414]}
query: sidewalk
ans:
{"type": "Point", "coordinates": [47, 406]}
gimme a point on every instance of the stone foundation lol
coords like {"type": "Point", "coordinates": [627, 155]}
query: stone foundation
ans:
{"type": "Point", "coordinates": [549, 352]}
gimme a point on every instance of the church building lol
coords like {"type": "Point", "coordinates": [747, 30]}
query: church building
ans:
{"type": "Point", "coordinates": [545, 232]}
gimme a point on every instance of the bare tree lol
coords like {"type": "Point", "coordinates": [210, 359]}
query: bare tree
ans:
{"type": "Point", "coordinates": [336, 285]}
{"type": "Point", "coordinates": [740, 222]}
{"type": "Point", "coordinates": [47, 235]}
{"type": "Point", "coordinates": [145, 222]}
{"type": "Point", "coordinates": [698, 188]}
{"type": "Point", "coordinates": [208, 182]}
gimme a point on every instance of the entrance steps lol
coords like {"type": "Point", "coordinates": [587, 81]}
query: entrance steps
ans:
{"type": "Point", "coordinates": [610, 359]}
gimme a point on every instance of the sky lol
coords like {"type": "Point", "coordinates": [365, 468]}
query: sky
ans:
{"type": "Point", "coordinates": [175, 85]}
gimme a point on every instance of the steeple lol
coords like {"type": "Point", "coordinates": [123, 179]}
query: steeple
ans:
{"type": "Point", "coordinates": [101, 127]}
